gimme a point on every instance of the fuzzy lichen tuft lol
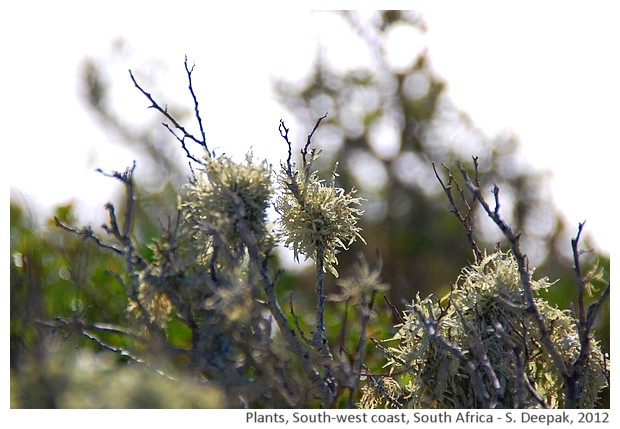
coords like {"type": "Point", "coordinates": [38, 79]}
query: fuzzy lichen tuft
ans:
{"type": "Point", "coordinates": [486, 312]}
{"type": "Point", "coordinates": [317, 219]}
{"type": "Point", "coordinates": [225, 204]}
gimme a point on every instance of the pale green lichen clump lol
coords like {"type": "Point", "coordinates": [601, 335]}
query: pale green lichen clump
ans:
{"type": "Point", "coordinates": [317, 219]}
{"type": "Point", "coordinates": [425, 375]}
{"type": "Point", "coordinates": [227, 205]}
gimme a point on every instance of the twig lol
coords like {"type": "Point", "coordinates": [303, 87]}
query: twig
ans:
{"type": "Point", "coordinates": [465, 221]}
{"type": "Point", "coordinates": [304, 151]}
{"type": "Point", "coordinates": [361, 344]}
{"type": "Point", "coordinates": [479, 350]}
{"type": "Point", "coordinates": [183, 145]}
{"type": "Point", "coordinates": [342, 334]}
{"type": "Point", "coordinates": [164, 111]}
{"type": "Point", "coordinates": [124, 353]}
{"type": "Point", "coordinates": [585, 323]}
{"type": "Point", "coordinates": [291, 338]}
{"type": "Point", "coordinates": [388, 353]}
{"type": "Point", "coordinates": [189, 72]}
{"type": "Point", "coordinates": [291, 184]}
{"type": "Point", "coordinates": [284, 133]}
{"type": "Point", "coordinates": [521, 381]}
{"type": "Point", "coordinates": [296, 319]}
{"type": "Point", "coordinates": [595, 306]}
{"type": "Point", "coordinates": [76, 324]}
{"type": "Point", "coordinates": [318, 338]}
{"type": "Point", "coordinates": [88, 233]}
{"type": "Point", "coordinates": [581, 309]}
{"type": "Point", "coordinates": [127, 179]}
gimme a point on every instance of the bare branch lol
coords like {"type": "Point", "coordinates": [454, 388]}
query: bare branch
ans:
{"type": "Point", "coordinates": [189, 72]}
{"type": "Point", "coordinates": [478, 350]}
{"type": "Point", "coordinates": [296, 320]}
{"type": "Point", "coordinates": [291, 338]}
{"type": "Point", "coordinates": [396, 313]}
{"type": "Point", "coordinates": [88, 233]}
{"type": "Point", "coordinates": [318, 338]}
{"type": "Point", "coordinates": [304, 151]}
{"type": "Point", "coordinates": [284, 133]}
{"type": "Point", "coordinates": [127, 179]}
{"type": "Point", "coordinates": [164, 111]}
{"type": "Point", "coordinates": [522, 383]}
{"type": "Point", "coordinates": [595, 306]}
{"type": "Point", "coordinates": [77, 325]}
{"type": "Point", "coordinates": [361, 344]}
{"type": "Point", "coordinates": [183, 145]}
{"type": "Point", "coordinates": [585, 323]}
{"type": "Point", "coordinates": [465, 221]}
{"type": "Point", "coordinates": [581, 283]}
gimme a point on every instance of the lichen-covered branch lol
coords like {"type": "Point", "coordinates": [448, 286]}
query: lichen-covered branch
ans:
{"type": "Point", "coordinates": [524, 270]}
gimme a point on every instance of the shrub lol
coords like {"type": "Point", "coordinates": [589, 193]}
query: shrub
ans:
{"type": "Point", "coordinates": [211, 276]}
{"type": "Point", "coordinates": [478, 346]}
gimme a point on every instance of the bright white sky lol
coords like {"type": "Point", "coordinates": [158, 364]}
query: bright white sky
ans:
{"type": "Point", "coordinates": [550, 73]}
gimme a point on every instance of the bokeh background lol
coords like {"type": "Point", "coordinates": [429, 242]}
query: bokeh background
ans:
{"type": "Point", "coordinates": [529, 90]}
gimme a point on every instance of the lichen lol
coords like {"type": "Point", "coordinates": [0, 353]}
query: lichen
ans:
{"type": "Point", "coordinates": [227, 204]}
{"type": "Point", "coordinates": [486, 297]}
{"type": "Point", "coordinates": [316, 218]}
